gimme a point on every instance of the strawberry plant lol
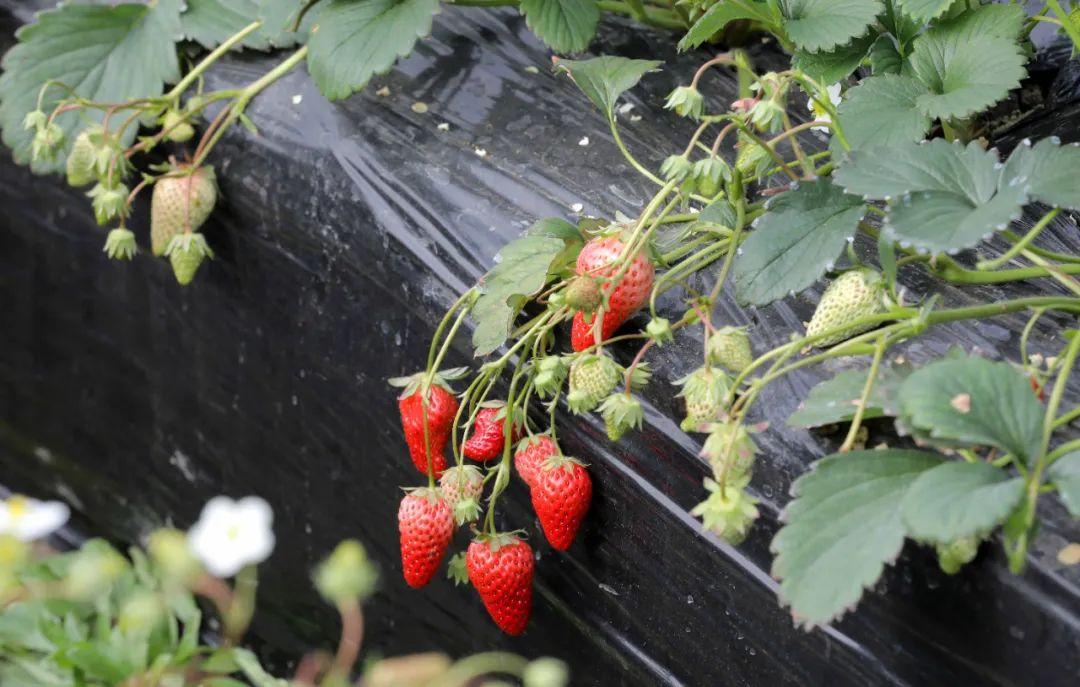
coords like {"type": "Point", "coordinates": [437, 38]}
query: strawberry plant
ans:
{"type": "Point", "coordinates": [899, 188]}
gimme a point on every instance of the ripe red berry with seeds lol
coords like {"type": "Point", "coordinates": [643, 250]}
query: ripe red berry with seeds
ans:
{"type": "Point", "coordinates": [488, 436]}
{"type": "Point", "coordinates": [561, 494]}
{"type": "Point", "coordinates": [442, 406]}
{"type": "Point", "coordinates": [530, 455]}
{"type": "Point", "coordinates": [599, 258]}
{"type": "Point", "coordinates": [501, 569]}
{"type": "Point", "coordinates": [425, 527]}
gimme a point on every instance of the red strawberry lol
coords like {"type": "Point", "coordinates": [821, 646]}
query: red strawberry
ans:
{"type": "Point", "coordinates": [530, 455]}
{"type": "Point", "coordinates": [487, 439]}
{"type": "Point", "coordinates": [501, 569]}
{"type": "Point", "coordinates": [624, 299]}
{"type": "Point", "coordinates": [426, 525]}
{"type": "Point", "coordinates": [561, 494]}
{"type": "Point", "coordinates": [442, 407]}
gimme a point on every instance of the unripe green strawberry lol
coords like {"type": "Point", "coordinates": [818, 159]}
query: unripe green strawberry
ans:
{"type": "Point", "coordinates": [186, 253]}
{"type": "Point", "coordinates": [621, 412]}
{"type": "Point", "coordinates": [592, 377]}
{"type": "Point", "coordinates": [851, 296]}
{"type": "Point", "coordinates": [704, 390]}
{"type": "Point", "coordinates": [81, 162]}
{"type": "Point", "coordinates": [729, 347]}
{"type": "Point", "coordinates": [583, 294]}
{"type": "Point", "coordinates": [178, 129]}
{"type": "Point", "coordinates": [730, 443]}
{"type": "Point", "coordinates": [727, 512]}
{"type": "Point", "coordinates": [956, 554]}
{"type": "Point", "coordinates": [180, 204]}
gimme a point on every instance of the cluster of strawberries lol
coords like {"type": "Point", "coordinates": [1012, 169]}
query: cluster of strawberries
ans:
{"type": "Point", "coordinates": [500, 566]}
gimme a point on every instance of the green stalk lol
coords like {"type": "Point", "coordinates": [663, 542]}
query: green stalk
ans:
{"type": "Point", "coordinates": [1066, 22]}
{"type": "Point", "coordinates": [210, 59]}
{"type": "Point", "coordinates": [856, 422]}
{"type": "Point", "coordinates": [1020, 245]}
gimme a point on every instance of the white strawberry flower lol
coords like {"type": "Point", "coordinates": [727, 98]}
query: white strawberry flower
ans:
{"type": "Point", "coordinates": [818, 112]}
{"type": "Point", "coordinates": [28, 519]}
{"type": "Point", "coordinates": [231, 534]}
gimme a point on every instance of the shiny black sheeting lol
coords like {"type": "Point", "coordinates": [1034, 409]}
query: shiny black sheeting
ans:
{"type": "Point", "coordinates": [344, 231]}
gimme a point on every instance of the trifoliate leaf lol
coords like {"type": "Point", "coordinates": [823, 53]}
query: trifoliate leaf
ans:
{"type": "Point", "coordinates": [815, 25]}
{"type": "Point", "coordinates": [800, 237]}
{"type": "Point", "coordinates": [1048, 171]}
{"type": "Point", "coordinates": [943, 197]}
{"type": "Point", "coordinates": [965, 74]}
{"type": "Point", "coordinates": [523, 268]}
{"type": "Point", "coordinates": [884, 57]}
{"type": "Point", "coordinates": [974, 401]}
{"type": "Point", "coordinates": [210, 22]}
{"type": "Point", "coordinates": [836, 400]}
{"type": "Point", "coordinates": [720, 15]}
{"type": "Point", "coordinates": [842, 529]}
{"type": "Point", "coordinates": [924, 10]}
{"type": "Point", "coordinates": [836, 64]}
{"type": "Point", "coordinates": [565, 25]}
{"type": "Point", "coordinates": [881, 111]}
{"type": "Point", "coordinates": [106, 53]}
{"type": "Point", "coordinates": [603, 79]}
{"type": "Point", "coordinates": [959, 499]}
{"type": "Point", "coordinates": [1064, 474]}
{"type": "Point", "coordinates": [353, 40]}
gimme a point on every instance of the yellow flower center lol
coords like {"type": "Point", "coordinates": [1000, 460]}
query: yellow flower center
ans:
{"type": "Point", "coordinates": [18, 507]}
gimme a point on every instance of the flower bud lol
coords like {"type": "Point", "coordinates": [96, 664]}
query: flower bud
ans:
{"type": "Point", "coordinates": [659, 330]}
{"type": "Point", "coordinates": [140, 614]}
{"type": "Point", "coordinates": [676, 168]}
{"type": "Point", "coordinates": [178, 130]}
{"type": "Point", "coordinates": [346, 576]}
{"type": "Point", "coordinates": [687, 101]}
{"type": "Point", "coordinates": [95, 568]}
{"type": "Point", "coordinates": [109, 201]}
{"type": "Point", "coordinates": [169, 550]}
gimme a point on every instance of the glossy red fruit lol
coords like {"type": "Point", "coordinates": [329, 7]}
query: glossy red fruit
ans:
{"type": "Point", "coordinates": [501, 569]}
{"type": "Point", "coordinates": [626, 298]}
{"type": "Point", "coordinates": [487, 438]}
{"type": "Point", "coordinates": [561, 495]}
{"type": "Point", "coordinates": [442, 406]}
{"type": "Point", "coordinates": [531, 454]}
{"type": "Point", "coordinates": [425, 525]}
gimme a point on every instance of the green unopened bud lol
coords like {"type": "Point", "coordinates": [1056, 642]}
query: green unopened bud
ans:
{"type": "Point", "coordinates": [687, 101]}
{"type": "Point", "coordinates": [659, 330]}
{"type": "Point", "coordinates": [545, 672]}
{"type": "Point", "coordinates": [109, 201]}
{"type": "Point", "coordinates": [707, 175]}
{"type": "Point", "coordinates": [120, 244]}
{"type": "Point", "coordinates": [35, 119]}
{"type": "Point", "coordinates": [556, 300]}
{"type": "Point", "coordinates": [177, 128]}
{"type": "Point", "coordinates": [140, 614]}
{"type": "Point", "coordinates": [169, 550]}
{"type": "Point", "coordinates": [956, 554]}
{"type": "Point", "coordinates": [346, 576]}
{"type": "Point", "coordinates": [95, 568]}
{"type": "Point", "coordinates": [676, 168]}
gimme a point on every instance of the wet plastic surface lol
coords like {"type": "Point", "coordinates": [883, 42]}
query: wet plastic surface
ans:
{"type": "Point", "coordinates": [344, 232]}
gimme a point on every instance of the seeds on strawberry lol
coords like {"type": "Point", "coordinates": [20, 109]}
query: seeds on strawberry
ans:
{"type": "Point", "coordinates": [704, 390]}
{"type": "Point", "coordinates": [425, 526]}
{"type": "Point", "coordinates": [501, 569]}
{"type": "Point", "coordinates": [461, 487]}
{"type": "Point", "coordinates": [186, 253]}
{"type": "Point", "coordinates": [599, 259]}
{"type": "Point", "coordinates": [530, 455]}
{"type": "Point", "coordinates": [851, 296]}
{"type": "Point", "coordinates": [560, 496]}
{"type": "Point", "coordinates": [592, 378]}
{"type": "Point", "coordinates": [729, 347]}
{"type": "Point", "coordinates": [488, 436]}
{"type": "Point", "coordinates": [442, 406]}
{"type": "Point", "coordinates": [180, 204]}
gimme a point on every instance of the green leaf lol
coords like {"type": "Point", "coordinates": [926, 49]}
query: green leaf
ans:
{"type": "Point", "coordinates": [254, 671]}
{"type": "Point", "coordinates": [720, 212]}
{"type": "Point", "coordinates": [603, 79]}
{"type": "Point", "coordinates": [353, 40]}
{"type": "Point", "coordinates": [842, 528]}
{"type": "Point", "coordinates": [996, 20]}
{"type": "Point", "coordinates": [795, 242]}
{"type": "Point", "coordinates": [965, 74]}
{"type": "Point", "coordinates": [565, 25]}
{"type": "Point", "coordinates": [1064, 474]}
{"type": "Point", "coordinates": [884, 57]}
{"type": "Point", "coordinates": [974, 401]}
{"type": "Point", "coordinates": [924, 10]}
{"type": "Point", "coordinates": [105, 53]}
{"type": "Point", "coordinates": [211, 22]}
{"type": "Point", "coordinates": [881, 111]}
{"type": "Point", "coordinates": [1047, 170]}
{"type": "Point", "coordinates": [522, 270]}
{"type": "Point", "coordinates": [835, 400]}
{"type": "Point", "coordinates": [720, 15]}
{"type": "Point", "coordinates": [836, 64]}
{"type": "Point", "coordinates": [959, 499]}
{"type": "Point", "coordinates": [815, 25]}
{"type": "Point", "coordinates": [943, 197]}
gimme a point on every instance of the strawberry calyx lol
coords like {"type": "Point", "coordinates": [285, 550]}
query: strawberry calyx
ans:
{"type": "Point", "coordinates": [498, 540]}
{"type": "Point", "coordinates": [410, 384]}
{"type": "Point", "coordinates": [431, 494]}
{"type": "Point", "coordinates": [556, 462]}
